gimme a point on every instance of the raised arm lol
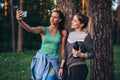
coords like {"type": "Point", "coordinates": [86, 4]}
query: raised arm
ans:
{"type": "Point", "coordinates": [35, 30]}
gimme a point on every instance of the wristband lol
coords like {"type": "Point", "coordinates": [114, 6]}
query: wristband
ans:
{"type": "Point", "coordinates": [61, 67]}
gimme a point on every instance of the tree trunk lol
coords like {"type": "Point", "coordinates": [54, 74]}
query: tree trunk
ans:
{"type": "Point", "coordinates": [20, 31]}
{"type": "Point", "coordinates": [69, 8]}
{"type": "Point", "coordinates": [118, 24]}
{"type": "Point", "coordinates": [13, 27]}
{"type": "Point", "coordinates": [102, 67]}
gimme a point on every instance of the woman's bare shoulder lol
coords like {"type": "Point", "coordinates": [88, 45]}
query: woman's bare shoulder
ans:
{"type": "Point", "coordinates": [64, 32]}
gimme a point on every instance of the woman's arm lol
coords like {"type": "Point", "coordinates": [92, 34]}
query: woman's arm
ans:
{"type": "Point", "coordinates": [24, 25]}
{"type": "Point", "coordinates": [62, 51]}
{"type": "Point", "coordinates": [60, 73]}
{"type": "Point", "coordinates": [63, 42]}
{"type": "Point", "coordinates": [90, 47]}
{"type": "Point", "coordinates": [90, 53]}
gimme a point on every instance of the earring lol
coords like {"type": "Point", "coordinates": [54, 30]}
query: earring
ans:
{"type": "Point", "coordinates": [60, 20]}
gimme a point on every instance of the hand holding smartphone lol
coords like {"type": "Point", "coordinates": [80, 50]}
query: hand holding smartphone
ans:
{"type": "Point", "coordinates": [23, 13]}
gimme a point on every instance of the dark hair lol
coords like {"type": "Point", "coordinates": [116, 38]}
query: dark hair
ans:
{"type": "Point", "coordinates": [83, 19]}
{"type": "Point", "coordinates": [61, 24]}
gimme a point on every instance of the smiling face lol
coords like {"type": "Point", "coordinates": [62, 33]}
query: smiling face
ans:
{"type": "Point", "coordinates": [55, 18]}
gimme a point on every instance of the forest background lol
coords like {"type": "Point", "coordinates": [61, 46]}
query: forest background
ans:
{"type": "Point", "coordinates": [13, 42]}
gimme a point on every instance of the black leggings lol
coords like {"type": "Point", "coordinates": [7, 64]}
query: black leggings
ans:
{"type": "Point", "coordinates": [78, 72]}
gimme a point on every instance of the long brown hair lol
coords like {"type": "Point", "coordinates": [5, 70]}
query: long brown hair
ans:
{"type": "Point", "coordinates": [61, 23]}
{"type": "Point", "coordinates": [83, 19]}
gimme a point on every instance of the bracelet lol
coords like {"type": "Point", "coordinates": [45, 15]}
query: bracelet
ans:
{"type": "Point", "coordinates": [61, 67]}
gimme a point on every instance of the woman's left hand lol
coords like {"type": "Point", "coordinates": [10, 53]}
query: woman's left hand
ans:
{"type": "Point", "coordinates": [79, 54]}
{"type": "Point", "coordinates": [60, 73]}
{"type": "Point", "coordinates": [76, 53]}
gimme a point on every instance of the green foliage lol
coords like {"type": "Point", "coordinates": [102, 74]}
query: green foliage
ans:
{"type": "Point", "coordinates": [37, 15]}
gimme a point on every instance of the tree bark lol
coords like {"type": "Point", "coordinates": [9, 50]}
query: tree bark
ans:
{"type": "Point", "coordinates": [69, 8]}
{"type": "Point", "coordinates": [13, 27]}
{"type": "Point", "coordinates": [118, 24]}
{"type": "Point", "coordinates": [102, 67]}
{"type": "Point", "coordinates": [20, 40]}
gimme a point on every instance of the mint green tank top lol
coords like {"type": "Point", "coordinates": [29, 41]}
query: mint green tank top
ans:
{"type": "Point", "coordinates": [50, 44]}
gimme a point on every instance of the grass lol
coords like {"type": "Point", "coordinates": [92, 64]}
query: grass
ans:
{"type": "Point", "coordinates": [14, 66]}
{"type": "Point", "coordinates": [117, 62]}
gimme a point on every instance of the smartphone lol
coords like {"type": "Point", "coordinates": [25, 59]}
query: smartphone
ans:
{"type": "Point", "coordinates": [24, 13]}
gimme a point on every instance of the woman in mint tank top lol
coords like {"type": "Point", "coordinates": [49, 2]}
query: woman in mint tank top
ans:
{"type": "Point", "coordinates": [44, 65]}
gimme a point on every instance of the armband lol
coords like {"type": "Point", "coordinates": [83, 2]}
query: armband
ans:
{"type": "Point", "coordinates": [61, 67]}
